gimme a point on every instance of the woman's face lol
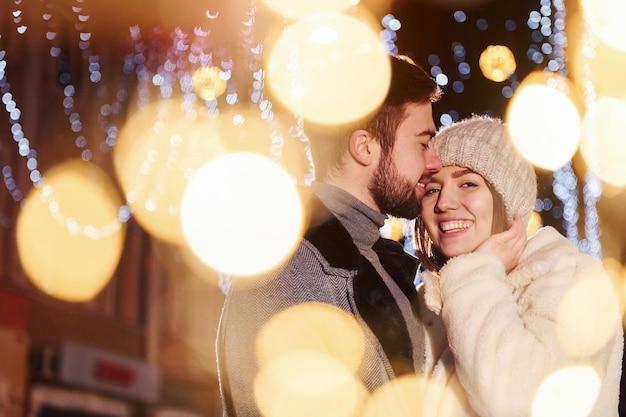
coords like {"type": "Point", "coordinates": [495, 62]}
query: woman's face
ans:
{"type": "Point", "coordinates": [457, 210]}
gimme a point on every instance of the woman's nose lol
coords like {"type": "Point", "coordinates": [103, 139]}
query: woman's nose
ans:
{"type": "Point", "coordinates": [446, 200]}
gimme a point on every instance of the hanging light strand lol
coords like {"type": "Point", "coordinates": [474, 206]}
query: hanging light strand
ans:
{"type": "Point", "coordinates": [24, 148]}
{"type": "Point", "coordinates": [565, 180]}
{"type": "Point", "coordinates": [592, 190]}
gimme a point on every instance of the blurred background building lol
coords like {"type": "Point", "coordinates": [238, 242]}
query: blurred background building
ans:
{"type": "Point", "coordinates": [112, 271]}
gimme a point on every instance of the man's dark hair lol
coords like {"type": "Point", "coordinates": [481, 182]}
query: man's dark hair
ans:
{"type": "Point", "coordinates": [409, 84]}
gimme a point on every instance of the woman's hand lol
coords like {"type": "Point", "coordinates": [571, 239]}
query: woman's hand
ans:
{"type": "Point", "coordinates": [508, 245]}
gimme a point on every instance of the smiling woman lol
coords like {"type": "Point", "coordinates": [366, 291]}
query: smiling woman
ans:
{"type": "Point", "coordinates": [74, 74]}
{"type": "Point", "coordinates": [549, 310]}
{"type": "Point", "coordinates": [457, 210]}
{"type": "Point", "coordinates": [483, 184]}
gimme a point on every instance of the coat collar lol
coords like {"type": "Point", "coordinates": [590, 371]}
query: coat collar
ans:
{"type": "Point", "coordinates": [329, 236]}
{"type": "Point", "coordinates": [373, 299]}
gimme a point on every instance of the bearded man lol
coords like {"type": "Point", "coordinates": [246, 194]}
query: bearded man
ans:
{"type": "Point", "coordinates": [365, 172]}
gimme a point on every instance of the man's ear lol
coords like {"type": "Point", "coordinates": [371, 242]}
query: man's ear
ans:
{"type": "Point", "coordinates": [363, 147]}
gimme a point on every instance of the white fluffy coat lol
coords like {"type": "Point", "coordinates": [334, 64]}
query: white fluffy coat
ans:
{"type": "Point", "coordinates": [508, 333]}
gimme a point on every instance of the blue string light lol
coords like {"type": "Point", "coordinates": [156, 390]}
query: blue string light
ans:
{"type": "Point", "coordinates": [565, 181]}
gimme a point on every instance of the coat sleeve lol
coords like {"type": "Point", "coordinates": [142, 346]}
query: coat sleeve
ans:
{"type": "Point", "coordinates": [507, 332]}
{"type": "Point", "coordinates": [249, 305]}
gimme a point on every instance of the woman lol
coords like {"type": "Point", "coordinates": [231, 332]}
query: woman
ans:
{"type": "Point", "coordinates": [512, 334]}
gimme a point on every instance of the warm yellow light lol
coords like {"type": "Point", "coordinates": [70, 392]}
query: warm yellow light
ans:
{"type": "Point", "coordinates": [606, 20]}
{"type": "Point", "coordinates": [602, 144]}
{"type": "Point", "coordinates": [596, 67]}
{"type": "Point", "coordinates": [241, 214]}
{"type": "Point", "coordinates": [588, 315]}
{"type": "Point", "coordinates": [243, 130]}
{"type": "Point", "coordinates": [329, 68]}
{"type": "Point", "coordinates": [313, 326]}
{"type": "Point", "coordinates": [302, 383]}
{"type": "Point", "coordinates": [208, 83]}
{"type": "Point", "coordinates": [296, 9]}
{"type": "Point", "coordinates": [158, 150]}
{"type": "Point", "coordinates": [544, 120]}
{"type": "Point", "coordinates": [308, 356]}
{"type": "Point", "coordinates": [69, 237]}
{"type": "Point", "coordinates": [393, 228]}
{"type": "Point", "coordinates": [617, 274]}
{"type": "Point", "coordinates": [569, 392]}
{"type": "Point", "coordinates": [401, 397]}
{"type": "Point", "coordinates": [534, 224]}
{"type": "Point", "coordinates": [461, 4]}
{"type": "Point", "coordinates": [497, 62]}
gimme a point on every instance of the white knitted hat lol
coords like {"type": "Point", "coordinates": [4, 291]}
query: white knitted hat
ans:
{"type": "Point", "coordinates": [483, 145]}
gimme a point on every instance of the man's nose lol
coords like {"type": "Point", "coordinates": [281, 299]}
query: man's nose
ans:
{"type": "Point", "coordinates": [433, 163]}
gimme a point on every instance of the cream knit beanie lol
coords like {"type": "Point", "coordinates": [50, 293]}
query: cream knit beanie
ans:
{"type": "Point", "coordinates": [483, 145]}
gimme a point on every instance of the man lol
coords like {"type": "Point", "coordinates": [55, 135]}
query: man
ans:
{"type": "Point", "coordinates": [377, 167]}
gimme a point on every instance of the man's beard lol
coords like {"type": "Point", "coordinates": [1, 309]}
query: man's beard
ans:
{"type": "Point", "coordinates": [394, 194]}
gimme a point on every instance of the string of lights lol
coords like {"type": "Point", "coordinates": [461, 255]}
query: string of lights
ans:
{"type": "Point", "coordinates": [188, 52]}
{"type": "Point", "coordinates": [565, 180]}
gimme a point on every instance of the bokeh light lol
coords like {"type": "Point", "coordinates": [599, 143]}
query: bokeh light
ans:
{"type": "Point", "coordinates": [243, 130]}
{"type": "Point", "coordinates": [208, 82]}
{"type": "Point", "coordinates": [321, 67]}
{"type": "Point", "coordinates": [309, 355]}
{"type": "Point", "coordinates": [393, 228]}
{"type": "Point", "coordinates": [602, 143]}
{"type": "Point", "coordinates": [313, 327]}
{"type": "Point", "coordinates": [596, 67]}
{"type": "Point", "coordinates": [412, 395]}
{"type": "Point", "coordinates": [241, 214]}
{"type": "Point", "coordinates": [401, 397]}
{"type": "Point", "coordinates": [456, 3]}
{"type": "Point", "coordinates": [544, 119]}
{"type": "Point", "coordinates": [617, 274]}
{"type": "Point", "coordinates": [568, 392]}
{"type": "Point", "coordinates": [158, 150]}
{"type": "Point", "coordinates": [69, 236]}
{"type": "Point", "coordinates": [303, 383]}
{"type": "Point", "coordinates": [497, 63]}
{"type": "Point", "coordinates": [606, 20]}
{"type": "Point", "coordinates": [535, 223]}
{"type": "Point", "coordinates": [588, 315]}
{"type": "Point", "coordinates": [296, 9]}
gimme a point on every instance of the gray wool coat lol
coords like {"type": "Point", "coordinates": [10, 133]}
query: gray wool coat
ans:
{"type": "Point", "coordinates": [325, 268]}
